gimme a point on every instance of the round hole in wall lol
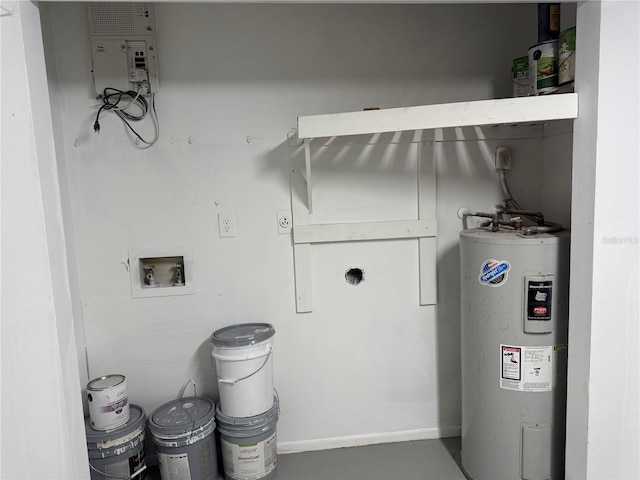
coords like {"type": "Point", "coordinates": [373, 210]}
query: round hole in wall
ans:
{"type": "Point", "coordinates": [354, 276]}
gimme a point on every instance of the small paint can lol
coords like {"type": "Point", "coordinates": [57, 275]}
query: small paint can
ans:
{"type": "Point", "coordinates": [520, 77]}
{"type": "Point", "coordinates": [543, 68]}
{"type": "Point", "coordinates": [567, 57]}
{"type": "Point", "coordinates": [108, 402]}
{"type": "Point", "coordinates": [548, 21]}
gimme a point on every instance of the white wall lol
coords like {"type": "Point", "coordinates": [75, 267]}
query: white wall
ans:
{"type": "Point", "coordinates": [616, 387]}
{"type": "Point", "coordinates": [42, 424]}
{"type": "Point", "coordinates": [368, 364]}
{"type": "Point", "coordinates": [603, 432]}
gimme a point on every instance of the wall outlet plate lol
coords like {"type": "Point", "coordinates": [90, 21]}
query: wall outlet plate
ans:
{"type": "Point", "coordinates": [226, 225]}
{"type": "Point", "coordinates": [285, 221]}
{"type": "Point", "coordinates": [503, 158]}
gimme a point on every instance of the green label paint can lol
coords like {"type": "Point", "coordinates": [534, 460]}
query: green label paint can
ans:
{"type": "Point", "coordinates": [567, 57]}
{"type": "Point", "coordinates": [543, 67]}
{"type": "Point", "coordinates": [520, 77]}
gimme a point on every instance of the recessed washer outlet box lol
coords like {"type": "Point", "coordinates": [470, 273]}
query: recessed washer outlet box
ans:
{"type": "Point", "coordinates": [160, 272]}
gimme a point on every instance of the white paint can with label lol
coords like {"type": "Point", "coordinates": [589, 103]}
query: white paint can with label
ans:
{"type": "Point", "coordinates": [108, 402]}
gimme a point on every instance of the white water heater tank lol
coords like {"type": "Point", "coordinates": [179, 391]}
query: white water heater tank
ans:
{"type": "Point", "coordinates": [514, 299]}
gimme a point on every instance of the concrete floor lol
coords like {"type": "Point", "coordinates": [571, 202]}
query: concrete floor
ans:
{"type": "Point", "coordinates": [418, 460]}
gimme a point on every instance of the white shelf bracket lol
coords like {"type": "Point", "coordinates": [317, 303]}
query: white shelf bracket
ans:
{"type": "Point", "coordinates": [306, 233]}
{"type": "Point", "coordinates": [307, 165]}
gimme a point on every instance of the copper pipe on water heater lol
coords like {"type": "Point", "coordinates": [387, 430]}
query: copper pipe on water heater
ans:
{"type": "Point", "coordinates": [516, 223]}
{"type": "Point", "coordinates": [527, 213]}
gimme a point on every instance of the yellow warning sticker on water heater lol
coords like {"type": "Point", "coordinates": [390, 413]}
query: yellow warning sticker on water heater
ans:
{"type": "Point", "coordinates": [526, 369]}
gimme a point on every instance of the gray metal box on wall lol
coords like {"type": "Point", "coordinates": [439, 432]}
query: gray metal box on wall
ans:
{"type": "Point", "coordinates": [123, 46]}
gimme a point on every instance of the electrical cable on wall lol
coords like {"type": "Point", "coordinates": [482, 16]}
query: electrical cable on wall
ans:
{"type": "Point", "coordinates": [114, 100]}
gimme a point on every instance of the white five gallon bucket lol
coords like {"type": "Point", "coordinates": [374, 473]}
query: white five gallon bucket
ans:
{"type": "Point", "coordinates": [119, 453]}
{"type": "Point", "coordinates": [243, 357]}
{"type": "Point", "coordinates": [249, 445]}
{"type": "Point", "coordinates": [182, 431]}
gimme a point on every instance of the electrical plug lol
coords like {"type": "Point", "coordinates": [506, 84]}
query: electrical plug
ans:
{"type": "Point", "coordinates": [96, 126]}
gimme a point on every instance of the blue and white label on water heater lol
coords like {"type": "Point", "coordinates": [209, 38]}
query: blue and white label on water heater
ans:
{"type": "Point", "coordinates": [494, 272]}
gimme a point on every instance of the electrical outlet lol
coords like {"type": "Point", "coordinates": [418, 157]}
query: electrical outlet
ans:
{"type": "Point", "coordinates": [284, 221]}
{"type": "Point", "coordinates": [226, 225]}
{"type": "Point", "coordinates": [503, 158]}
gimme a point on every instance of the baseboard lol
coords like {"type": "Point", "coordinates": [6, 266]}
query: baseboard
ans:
{"type": "Point", "coordinates": [367, 439]}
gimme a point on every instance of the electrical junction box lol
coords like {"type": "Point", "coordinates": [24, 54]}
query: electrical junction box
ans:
{"type": "Point", "coordinates": [123, 46]}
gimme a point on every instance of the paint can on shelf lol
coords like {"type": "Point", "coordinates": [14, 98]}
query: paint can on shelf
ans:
{"type": "Point", "coordinates": [243, 357]}
{"type": "Point", "coordinates": [249, 444]}
{"type": "Point", "coordinates": [567, 58]}
{"type": "Point", "coordinates": [108, 402]}
{"type": "Point", "coordinates": [548, 21]}
{"type": "Point", "coordinates": [543, 67]}
{"type": "Point", "coordinates": [118, 453]}
{"type": "Point", "coordinates": [183, 433]}
{"type": "Point", "coordinates": [520, 77]}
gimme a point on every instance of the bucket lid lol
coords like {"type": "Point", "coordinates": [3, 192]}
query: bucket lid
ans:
{"type": "Point", "coordinates": [108, 381]}
{"type": "Point", "coordinates": [182, 416]}
{"type": "Point", "coordinates": [242, 335]}
{"type": "Point", "coordinates": [137, 419]}
{"type": "Point", "coordinates": [245, 423]}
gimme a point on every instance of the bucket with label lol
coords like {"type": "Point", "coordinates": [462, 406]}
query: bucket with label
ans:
{"type": "Point", "coordinates": [567, 57]}
{"type": "Point", "coordinates": [543, 68]}
{"type": "Point", "coordinates": [243, 356]}
{"type": "Point", "coordinates": [118, 454]}
{"type": "Point", "coordinates": [520, 77]}
{"type": "Point", "coordinates": [249, 444]}
{"type": "Point", "coordinates": [183, 434]}
{"type": "Point", "coordinates": [108, 402]}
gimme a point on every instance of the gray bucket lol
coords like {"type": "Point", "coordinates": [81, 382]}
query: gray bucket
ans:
{"type": "Point", "coordinates": [118, 453]}
{"type": "Point", "coordinates": [249, 444]}
{"type": "Point", "coordinates": [182, 431]}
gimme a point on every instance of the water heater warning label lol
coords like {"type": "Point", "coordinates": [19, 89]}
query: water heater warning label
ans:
{"type": "Point", "coordinates": [526, 369]}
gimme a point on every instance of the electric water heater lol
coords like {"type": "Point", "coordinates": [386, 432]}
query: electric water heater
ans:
{"type": "Point", "coordinates": [514, 299]}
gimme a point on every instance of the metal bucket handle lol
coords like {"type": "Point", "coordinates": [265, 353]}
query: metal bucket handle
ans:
{"type": "Point", "coordinates": [235, 359]}
{"type": "Point", "coordinates": [195, 403]}
{"type": "Point", "coordinates": [107, 475]}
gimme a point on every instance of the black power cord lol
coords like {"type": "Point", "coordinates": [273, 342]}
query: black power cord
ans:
{"type": "Point", "coordinates": [112, 98]}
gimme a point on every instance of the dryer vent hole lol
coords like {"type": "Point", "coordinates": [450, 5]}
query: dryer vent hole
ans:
{"type": "Point", "coordinates": [354, 276]}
